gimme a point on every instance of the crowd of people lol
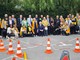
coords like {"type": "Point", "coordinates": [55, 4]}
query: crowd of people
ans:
{"type": "Point", "coordinates": [39, 26]}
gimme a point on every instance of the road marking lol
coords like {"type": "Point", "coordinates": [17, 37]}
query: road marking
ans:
{"type": "Point", "coordinates": [66, 45]}
{"type": "Point", "coordinates": [33, 47]}
{"type": "Point", "coordinates": [25, 42]}
{"type": "Point", "coordinates": [63, 44]}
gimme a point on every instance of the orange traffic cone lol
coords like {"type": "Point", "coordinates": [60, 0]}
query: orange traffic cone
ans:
{"type": "Point", "coordinates": [10, 50]}
{"type": "Point", "coordinates": [77, 47]}
{"type": "Point", "coordinates": [19, 53]}
{"type": "Point", "coordinates": [48, 50]}
{"type": "Point", "coordinates": [2, 48]}
{"type": "Point", "coordinates": [13, 58]}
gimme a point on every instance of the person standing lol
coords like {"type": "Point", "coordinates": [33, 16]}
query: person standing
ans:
{"type": "Point", "coordinates": [29, 20]}
{"type": "Point", "coordinates": [13, 18]}
{"type": "Point", "coordinates": [74, 24]}
{"type": "Point", "coordinates": [4, 28]}
{"type": "Point", "coordinates": [34, 26]}
{"type": "Point", "coordinates": [41, 18]}
{"type": "Point", "coordinates": [24, 22]}
{"type": "Point", "coordinates": [48, 19]}
{"type": "Point", "coordinates": [10, 22]}
{"type": "Point", "coordinates": [0, 26]}
{"type": "Point", "coordinates": [37, 19]}
{"type": "Point", "coordinates": [51, 25]}
{"type": "Point", "coordinates": [57, 25]}
{"type": "Point", "coordinates": [78, 22]}
{"type": "Point", "coordinates": [19, 22]}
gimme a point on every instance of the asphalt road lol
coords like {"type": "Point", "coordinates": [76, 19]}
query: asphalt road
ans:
{"type": "Point", "coordinates": [35, 47]}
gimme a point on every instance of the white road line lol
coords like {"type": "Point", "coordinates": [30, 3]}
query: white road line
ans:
{"type": "Point", "coordinates": [66, 45]}
{"type": "Point", "coordinates": [25, 42]}
{"type": "Point", "coordinates": [33, 47]}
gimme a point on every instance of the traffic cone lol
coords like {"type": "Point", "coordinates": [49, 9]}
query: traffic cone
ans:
{"type": "Point", "coordinates": [48, 50]}
{"type": "Point", "coordinates": [65, 55]}
{"type": "Point", "coordinates": [77, 47]}
{"type": "Point", "coordinates": [13, 58]}
{"type": "Point", "coordinates": [2, 48]}
{"type": "Point", "coordinates": [25, 56]}
{"type": "Point", "coordinates": [19, 53]}
{"type": "Point", "coordinates": [10, 50]}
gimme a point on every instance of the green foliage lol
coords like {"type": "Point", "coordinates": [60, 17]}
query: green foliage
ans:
{"type": "Point", "coordinates": [51, 7]}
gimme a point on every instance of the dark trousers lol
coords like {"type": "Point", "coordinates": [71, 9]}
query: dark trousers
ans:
{"type": "Point", "coordinates": [49, 30]}
{"type": "Point", "coordinates": [4, 33]}
{"type": "Point", "coordinates": [64, 33]}
{"type": "Point", "coordinates": [73, 29]}
{"type": "Point", "coordinates": [35, 30]}
{"type": "Point", "coordinates": [0, 30]}
{"type": "Point", "coordinates": [45, 32]}
{"type": "Point", "coordinates": [10, 34]}
{"type": "Point", "coordinates": [56, 31]}
{"type": "Point", "coordinates": [40, 33]}
{"type": "Point", "coordinates": [24, 34]}
{"type": "Point", "coordinates": [19, 27]}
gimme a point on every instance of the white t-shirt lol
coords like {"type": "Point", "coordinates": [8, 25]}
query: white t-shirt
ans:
{"type": "Point", "coordinates": [10, 21]}
{"type": "Point", "coordinates": [9, 30]}
{"type": "Point", "coordinates": [68, 22]}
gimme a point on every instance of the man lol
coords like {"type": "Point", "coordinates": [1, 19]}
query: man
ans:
{"type": "Point", "coordinates": [10, 21]}
{"type": "Point", "coordinates": [19, 22]}
{"type": "Point", "coordinates": [29, 20]}
{"type": "Point", "coordinates": [48, 19]}
{"type": "Point", "coordinates": [40, 29]}
{"type": "Point", "coordinates": [41, 18]}
{"type": "Point", "coordinates": [13, 17]}
{"type": "Point", "coordinates": [36, 17]}
{"type": "Point", "coordinates": [78, 22]}
{"type": "Point", "coordinates": [5, 16]}
{"type": "Point", "coordinates": [0, 26]}
{"type": "Point", "coordinates": [57, 25]}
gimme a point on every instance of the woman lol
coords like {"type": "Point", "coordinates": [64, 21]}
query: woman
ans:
{"type": "Point", "coordinates": [9, 31]}
{"type": "Point", "coordinates": [51, 25]}
{"type": "Point", "coordinates": [4, 28]}
{"type": "Point", "coordinates": [23, 31]}
{"type": "Point", "coordinates": [74, 24]}
{"type": "Point", "coordinates": [65, 30]}
{"type": "Point", "coordinates": [45, 24]}
{"type": "Point", "coordinates": [29, 31]}
{"type": "Point", "coordinates": [34, 25]}
{"type": "Point", "coordinates": [0, 26]}
{"type": "Point", "coordinates": [24, 22]}
{"type": "Point", "coordinates": [15, 31]}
